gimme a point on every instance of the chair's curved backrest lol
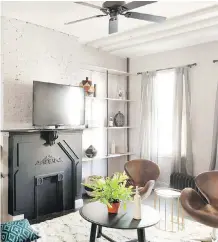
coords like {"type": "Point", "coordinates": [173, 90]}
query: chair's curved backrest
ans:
{"type": "Point", "coordinates": [207, 183]}
{"type": "Point", "coordinates": [142, 171]}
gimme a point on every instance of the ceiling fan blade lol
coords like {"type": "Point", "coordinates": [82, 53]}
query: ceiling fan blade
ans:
{"type": "Point", "coordinates": [113, 25]}
{"type": "Point", "coordinates": [146, 17]}
{"type": "Point", "coordinates": [83, 19]}
{"type": "Point", "coordinates": [137, 4]}
{"type": "Point", "coordinates": [89, 5]}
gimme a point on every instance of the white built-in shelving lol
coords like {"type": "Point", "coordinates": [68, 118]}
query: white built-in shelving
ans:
{"type": "Point", "coordinates": [109, 104]}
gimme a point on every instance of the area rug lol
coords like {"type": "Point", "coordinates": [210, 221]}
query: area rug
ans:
{"type": "Point", "coordinates": [74, 228]}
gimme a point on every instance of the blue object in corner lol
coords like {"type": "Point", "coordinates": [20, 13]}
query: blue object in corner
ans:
{"type": "Point", "coordinates": [18, 231]}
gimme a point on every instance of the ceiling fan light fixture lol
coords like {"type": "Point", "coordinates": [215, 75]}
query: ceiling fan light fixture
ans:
{"type": "Point", "coordinates": [115, 8]}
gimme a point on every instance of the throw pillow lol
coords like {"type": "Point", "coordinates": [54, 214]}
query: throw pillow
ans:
{"type": "Point", "coordinates": [18, 231]}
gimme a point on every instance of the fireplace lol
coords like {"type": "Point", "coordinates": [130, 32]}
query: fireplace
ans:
{"type": "Point", "coordinates": [48, 193]}
{"type": "Point", "coordinates": [45, 171]}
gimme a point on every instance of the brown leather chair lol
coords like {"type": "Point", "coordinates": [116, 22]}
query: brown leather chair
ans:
{"type": "Point", "coordinates": [142, 173]}
{"type": "Point", "coordinates": [195, 206]}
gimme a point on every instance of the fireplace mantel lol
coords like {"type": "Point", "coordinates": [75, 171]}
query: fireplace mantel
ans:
{"type": "Point", "coordinates": [38, 129]}
{"type": "Point", "coordinates": [45, 170]}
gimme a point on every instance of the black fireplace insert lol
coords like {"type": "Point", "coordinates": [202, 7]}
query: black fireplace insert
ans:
{"type": "Point", "coordinates": [44, 176]}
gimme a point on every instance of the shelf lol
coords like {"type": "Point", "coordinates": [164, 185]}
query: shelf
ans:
{"type": "Point", "coordinates": [119, 155]}
{"type": "Point", "coordinates": [106, 156]}
{"type": "Point", "coordinates": [124, 127]}
{"type": "Point", "coordinates": [89, 67]}
{"type": "Point", "coordinates": [109, 99]}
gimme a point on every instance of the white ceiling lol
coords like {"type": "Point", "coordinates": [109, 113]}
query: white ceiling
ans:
{"type": "Point", "coordinates": [188, 23]}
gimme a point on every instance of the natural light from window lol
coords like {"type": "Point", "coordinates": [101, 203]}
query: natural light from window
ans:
{"type": "Point", "coordinates": [164, 96]}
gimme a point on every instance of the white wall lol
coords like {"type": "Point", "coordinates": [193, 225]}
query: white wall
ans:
{"type": "Point", "coordinates": [204, 79]}
{"type": "Point", "coordinates": [32, 52]}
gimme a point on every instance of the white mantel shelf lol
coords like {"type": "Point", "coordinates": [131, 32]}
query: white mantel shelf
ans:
{"type": "Point", "coordinates": [106, 156]}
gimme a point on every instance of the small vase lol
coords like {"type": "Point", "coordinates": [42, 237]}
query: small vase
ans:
{"type": "Point", "coordinates": [91, 152]}
{"type": "Point", "coordinates": [114, 208]}
{"type": "Point", "coordinates": [119, 119]}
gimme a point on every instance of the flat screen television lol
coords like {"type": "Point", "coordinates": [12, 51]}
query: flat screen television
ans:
{"type": "Point", "coordinates": [58, 105]}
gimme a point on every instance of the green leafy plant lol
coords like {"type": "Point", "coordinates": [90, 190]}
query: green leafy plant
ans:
{"type": "Point", "coordinates": [111, 189]}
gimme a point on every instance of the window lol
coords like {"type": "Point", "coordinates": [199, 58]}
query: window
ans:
{"type": "Point", "coordinates": [164, 98]}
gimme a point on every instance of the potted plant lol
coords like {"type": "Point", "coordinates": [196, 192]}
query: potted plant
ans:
{"type": "Point", "coordinates": [111, 191]}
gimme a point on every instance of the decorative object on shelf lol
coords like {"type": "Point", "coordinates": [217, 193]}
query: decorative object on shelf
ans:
{"type": "Point", "coordinates": [111, 122]}
{"type": "Point", "coordinates": [113, 147]}
{"type": "Point", "coordinates": [91, 151]}
{"type": "Point", "coordinates": [119, 119]}
{"type": "Point", "coordinates": [120, 94]}
{"type": "Point", "coordinates": [88, 87]}
{"type": "Point", "coordinates": [89, 180]}
{"type": "Point", "coordinates": [111, 191]}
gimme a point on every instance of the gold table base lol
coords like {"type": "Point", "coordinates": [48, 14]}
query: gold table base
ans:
{"type": "Point", "coordinates": [176, 223]}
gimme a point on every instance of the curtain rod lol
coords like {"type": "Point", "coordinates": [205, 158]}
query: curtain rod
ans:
{"type": "Point", "coordinates": [169, 68]}
{"type": "Point", "coordinates": [215, 61]}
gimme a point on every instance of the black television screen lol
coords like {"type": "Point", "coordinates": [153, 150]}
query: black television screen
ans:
{"type": "Point", "coordinates": [57, 104]}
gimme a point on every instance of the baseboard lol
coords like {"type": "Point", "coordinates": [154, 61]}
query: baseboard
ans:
{"type": "Point", "coordinates": [15, 218]}
{"type": "Point", "coordinates": [78, 203]}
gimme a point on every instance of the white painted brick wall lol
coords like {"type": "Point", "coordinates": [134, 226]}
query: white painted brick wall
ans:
{"type": "Point", "coordinates": [32, 52]}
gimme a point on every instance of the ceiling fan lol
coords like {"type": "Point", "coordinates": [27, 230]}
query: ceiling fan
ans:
{"type": "Point", "coordinates": [115, 8]}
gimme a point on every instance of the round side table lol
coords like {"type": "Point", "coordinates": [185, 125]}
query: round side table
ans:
{"type": "Point", "coordinates": [173, 219]}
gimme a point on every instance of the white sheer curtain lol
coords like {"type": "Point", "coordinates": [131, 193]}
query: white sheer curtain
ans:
{"type": "Point", "coordinates": [214, 158]}
{"type": "Point", "coordinates": [182, 139]}
{"type": "Point", "coordinates": [148, 136]}
{"type": "Point", "coordinates": [165, 125]}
